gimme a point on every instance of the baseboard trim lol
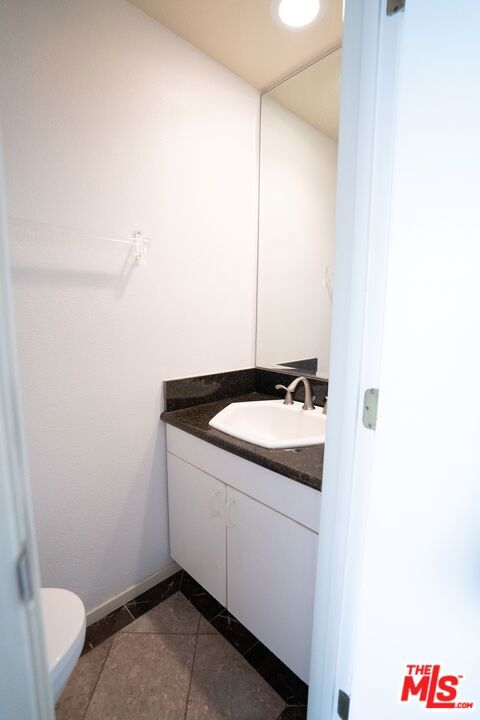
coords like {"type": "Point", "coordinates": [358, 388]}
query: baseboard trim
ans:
{"type": "Point", "coordinates": [97, 613]}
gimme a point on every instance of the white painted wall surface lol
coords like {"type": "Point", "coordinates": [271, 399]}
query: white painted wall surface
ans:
{"type": "Point", "coordinates": [419, 592]}
{"type": "Point", "coordinates": [111, 123]}
{"type": "Point", "coordinates": [298, 166]}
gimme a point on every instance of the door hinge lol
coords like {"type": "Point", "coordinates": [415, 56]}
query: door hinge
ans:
{"type": "Point", "coordinates": [394, 6]}
{"type": "Point", "coordinates": [370, 406]}
{"type": "Point", "coordinates": [24, 575]}
{"type": "Point", "coordinates": [343, 706]}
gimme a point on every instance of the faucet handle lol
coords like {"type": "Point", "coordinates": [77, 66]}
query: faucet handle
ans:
{"type": "Point", "coordinates": [288, 394]}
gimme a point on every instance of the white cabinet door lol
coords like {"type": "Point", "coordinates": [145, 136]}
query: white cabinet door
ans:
{"type": "Point", "coordinates": [196, 503]}
{"type": "Point", "coordinates": [271, 578]}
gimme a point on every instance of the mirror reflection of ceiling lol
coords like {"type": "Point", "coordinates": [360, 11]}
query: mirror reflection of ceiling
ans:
{"type": "Point", "coordinates": [314, 94]}
{"type": "Point", "coordinates": [243, 35]}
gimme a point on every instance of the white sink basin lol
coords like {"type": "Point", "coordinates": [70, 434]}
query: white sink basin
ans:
{"type": "Point", "coordinates": [272, 424]}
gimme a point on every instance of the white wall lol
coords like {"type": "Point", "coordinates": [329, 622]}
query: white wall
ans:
{"type": "Point", "coordinates": [111, 123]}
{"type": "Point", "coordinates": [298, 178]}
{"type": "Point", "coordinates": [419, 590]}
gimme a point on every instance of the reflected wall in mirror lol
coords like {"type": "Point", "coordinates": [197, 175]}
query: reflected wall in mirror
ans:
{"type": "Point", "coordinates": [298, 173]}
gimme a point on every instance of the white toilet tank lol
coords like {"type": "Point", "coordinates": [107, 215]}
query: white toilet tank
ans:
{"type": "Point", "coordinates": [64, 624]}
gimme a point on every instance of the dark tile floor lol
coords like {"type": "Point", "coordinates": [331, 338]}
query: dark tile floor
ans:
{"type": "Point", "coordinates": [174, 653]}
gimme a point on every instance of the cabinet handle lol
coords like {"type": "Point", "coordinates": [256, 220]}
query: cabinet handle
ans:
{"type": "Point", "coordinates": [230, 520]}
{"type": "Point", "coordinates": [214, 509]}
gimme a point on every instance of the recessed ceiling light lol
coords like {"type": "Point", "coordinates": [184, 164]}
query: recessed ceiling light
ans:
{"type": "Point", "coordinates": [298, 13]}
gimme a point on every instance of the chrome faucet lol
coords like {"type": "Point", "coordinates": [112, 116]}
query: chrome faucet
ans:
{"type": "Point", "coordinates": [308, 404]}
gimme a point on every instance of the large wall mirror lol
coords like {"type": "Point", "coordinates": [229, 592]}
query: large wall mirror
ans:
{"type": "Point", "coordinates": [298, 173]}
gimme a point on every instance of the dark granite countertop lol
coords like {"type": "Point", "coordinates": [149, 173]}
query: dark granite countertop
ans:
{"type": "Point", "coordinates": [305, 465]}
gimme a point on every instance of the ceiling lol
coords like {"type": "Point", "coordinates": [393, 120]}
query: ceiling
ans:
{"type": "Point", "coordinates": [243, 35]}
{"type": "Point", "coordinates": [314, 94]}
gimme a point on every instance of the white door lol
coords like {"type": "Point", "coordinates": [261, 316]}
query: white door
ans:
{"type": "Point", "coordinates": [399, 532]}
{"type": "Point", "coordinates": [421, 555]}
{"type": "Point", "coordinates": [271, 576]}
{"type": "Point", "coordinates": [367, 126]}
{"type": "Point", "coordinates": [24, 686]}
{"type": "Point", "coordinates": [196, 503]}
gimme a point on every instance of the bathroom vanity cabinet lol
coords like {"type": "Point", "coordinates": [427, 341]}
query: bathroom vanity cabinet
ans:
{"type": "Point", "coordinates": [249, 536]}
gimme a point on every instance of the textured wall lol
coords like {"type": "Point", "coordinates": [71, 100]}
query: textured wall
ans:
{"type": "Point", "coordinates": [111, 123]}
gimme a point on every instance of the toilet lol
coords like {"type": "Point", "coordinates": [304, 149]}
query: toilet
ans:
{"type": "Point", "coordinates": [64, 624]}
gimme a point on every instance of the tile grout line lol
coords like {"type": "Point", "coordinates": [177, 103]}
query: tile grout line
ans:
{"type": "Point", "coordinates": [191, 671]}
{"type": "Point", "coordinates": [131, 615]}
{"type": "Point", "coordinates": [98, 678]}
{"type": "Point", "coordinates": [168, 634]}
{"type": "Point", "coordinates": [213, 618]}
{"type": "Point", "coordinates": [249, 649]}
{"type": "Point", "coordinates": [91, 645]}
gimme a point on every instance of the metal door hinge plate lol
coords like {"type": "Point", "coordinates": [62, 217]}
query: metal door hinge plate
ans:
{"type": "Point", "coordinates": [394, 6]}
{"type": "Point", "coordinates": [343, 707]}
{"type": "Point", "coordinates": [24, 576]}
{"type": "Point", "coordinates": [370, 406]}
